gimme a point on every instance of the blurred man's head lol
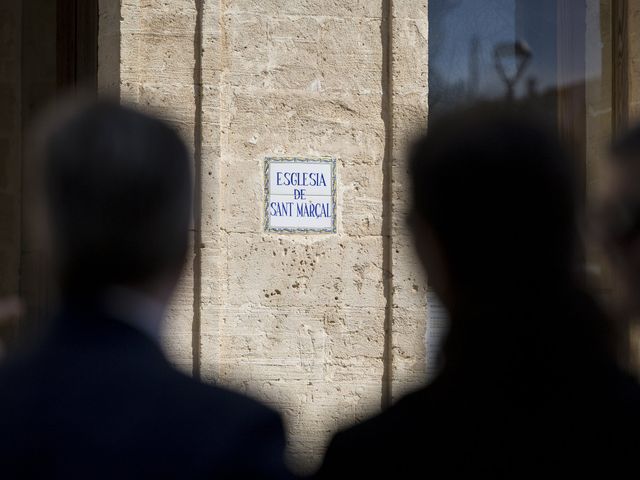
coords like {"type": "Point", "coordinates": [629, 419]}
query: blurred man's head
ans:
{"type": "Point", "coordinates": [493, 209]}
{"type": "Point", "coordinates": [117, 191]}
{"type": "Point", "coordinates": [620, 216]}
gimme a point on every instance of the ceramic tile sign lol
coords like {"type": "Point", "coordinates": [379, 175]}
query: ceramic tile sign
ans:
{"type": "Point", "coordinates": [300, 195]}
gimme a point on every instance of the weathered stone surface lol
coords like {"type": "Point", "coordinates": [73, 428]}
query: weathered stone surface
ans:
{"type": "Point", "coordinates": [296, 320]}
{"type": "Point", "coordinates": [409, 37]}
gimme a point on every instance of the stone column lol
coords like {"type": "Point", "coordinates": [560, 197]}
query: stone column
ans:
{"type": "Point", "coordinates": [408, 91]}
{"type": "Point", "coordinates": [297, 320]}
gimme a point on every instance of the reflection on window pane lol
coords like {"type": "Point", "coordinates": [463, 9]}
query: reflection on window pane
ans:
{"type": "Point", "coordinates": [544, 54]}
{"type": "Point", "coordinates": [490, 49]}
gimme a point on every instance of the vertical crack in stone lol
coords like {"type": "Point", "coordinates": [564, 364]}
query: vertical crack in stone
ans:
{"type": "Point", "coordinates": [197, 190]}
{"type": "Point", "coordinates": [386, 26]}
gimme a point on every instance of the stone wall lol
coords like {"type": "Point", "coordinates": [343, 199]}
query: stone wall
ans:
{"type": "Point", "coordinates": [296, 320]}
{"type": "Point", "coordinates": [326, 328]}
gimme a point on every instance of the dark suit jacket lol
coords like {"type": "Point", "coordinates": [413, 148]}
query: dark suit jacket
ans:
{"type": "Point", "coordinates": [99, 400]}
{"type": "Point", "coordinates": [468, 431]}
{"type": "Point", "coordinates": [538, 407]}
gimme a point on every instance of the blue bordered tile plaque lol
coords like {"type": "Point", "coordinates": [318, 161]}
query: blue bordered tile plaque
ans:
{"type": "Point", "coordinates": [300, 194]}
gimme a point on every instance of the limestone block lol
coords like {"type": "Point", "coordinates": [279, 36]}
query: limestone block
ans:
{"type": "Point", "coordinates": [243, 197]}
{"type": "Point", "coordinates": [320, 366]}
{"type": "Point", "coordinates": [410, 9]}
{"type": "Point", "coordinates": [160, 57]}
{"type": "Point", "coordinates": [284, 270]}
{"type": "Point", "coordinates": [360, 199]}
{"type": "Point", "coordinates": [168, 19]}
{"type": "Point", "coordinates": [177, 330]}
{"type": "Point", "coordinates": [409, 289]}
{"type": "Point", "coordinates": [409, 350]}
{"type": "Point", "coordinates": [324, 8]}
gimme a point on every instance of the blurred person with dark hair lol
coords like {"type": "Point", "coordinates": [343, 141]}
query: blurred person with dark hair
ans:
{"type": "Point", "coordinates": [97, 398]}
{"type": "Point", "coordinates": [618, 222]}
{"type": "Point", "coordinates": [530, 386]}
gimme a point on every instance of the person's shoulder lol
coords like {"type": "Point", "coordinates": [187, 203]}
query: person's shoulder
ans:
{"type": "Point", "coordinates": [372, 446]}
{"type": "Point", "coordinates": [17, 372]}
{"type": "Point", "coordinates": [240, 433]}
{"type": "Point", "coordinates": [625, 390]}
{"type": "Point", "coordinates": [224, 411]}
{"type": "Point", "coordinates": [408, 413]}
{"type": "Point", "coordinates": [223, 401]}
